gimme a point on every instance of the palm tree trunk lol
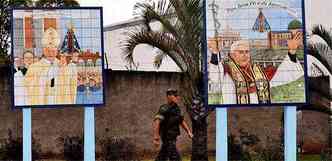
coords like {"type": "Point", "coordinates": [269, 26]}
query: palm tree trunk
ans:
{"type": "Point", "coordinates": [329, 150]}
{"type": "Point", "coordinates": [198, 113]}
{"type": "Point", "coordinates": [330, 134]}
{"type": "Point", "coordinates": [199, 142]}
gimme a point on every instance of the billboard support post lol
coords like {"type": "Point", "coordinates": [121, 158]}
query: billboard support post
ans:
{"type": "Point", "coordinates": [27, 154]}
{"type": "Point", "coordinates": [221, 136]}
{"type": "Point", "coordinates": [89, 134]}
{"type": "Point", "coordinates": [290, 133]}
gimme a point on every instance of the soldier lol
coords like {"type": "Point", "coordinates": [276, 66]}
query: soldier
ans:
{"type": "Point", "coordinates": [167, 127]}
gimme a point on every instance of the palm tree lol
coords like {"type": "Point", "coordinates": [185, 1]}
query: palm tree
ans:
{"type": "Point", "coordinates": [322, 51]}
{"type": "Point", "coordinates": [181, 24]}
{"type": "Point", "coordinates": [57, 3]}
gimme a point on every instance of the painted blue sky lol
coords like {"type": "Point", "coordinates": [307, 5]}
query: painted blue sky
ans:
{"type": "Point", "coordinates": [243, 19]}
{"type": "Point", "coordinates": [87, 28]}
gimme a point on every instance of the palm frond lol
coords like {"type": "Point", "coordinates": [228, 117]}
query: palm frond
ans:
{"type": "Point", "coordinates": [179, 10]}
{"type": "Point", "coordinates": [183, 20]}
{"type": "Point", "coordinates": [323, 53]}
{"type": "Point", "coordinates": [192, 29]}
{"type": "Point", "coordinates": [158, 59]}
{"type": "Point", "coordinates": [161, 13]}
{"type": "Point", "coordinates": [320, 31]}
{"type": "Point", "coordinates": [160, 40]}
{"type": "Point", "coordinates": [179, 37]}
{"type": "Point", "coordinates": [146, 12]}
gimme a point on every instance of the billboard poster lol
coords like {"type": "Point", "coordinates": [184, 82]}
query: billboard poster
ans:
{"type": "Point", "coordinates": [57, 55]}
{"type": "Point", "coordinates": [255, 52]}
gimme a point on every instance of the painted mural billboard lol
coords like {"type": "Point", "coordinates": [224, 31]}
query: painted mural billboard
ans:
{"type": "Point", "coordinates": [255, 52]}
{"type": "Point", "coordinates": [57, 55]}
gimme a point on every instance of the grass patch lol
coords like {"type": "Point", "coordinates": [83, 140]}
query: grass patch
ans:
{"type": "Point", "coordinates": [311, 157]}
{"type": "Point", "coordinates": [289, 93]}
{"type": "Point", "coordinates": [187, 158]}
{"type": "Point", "coordinates": [215, 98]}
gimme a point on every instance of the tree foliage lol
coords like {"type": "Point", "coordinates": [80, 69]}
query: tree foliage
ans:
{"type": "Point", "coordinates": [57, 3]}
{"type": "Point", "coordinates": [179, 37]}
{"type": "Point", "coordinates": [5, 25]}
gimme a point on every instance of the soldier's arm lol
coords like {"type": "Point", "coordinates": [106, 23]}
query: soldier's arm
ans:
{"type": "Point", "coordinates": [186, 128]}
{"type": "Point", "coordinates": [156, 135]}
{"type": "Point", "coordinates": [156, 127]}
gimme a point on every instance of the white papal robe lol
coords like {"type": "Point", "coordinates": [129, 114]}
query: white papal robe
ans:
{"type": "Point", "coordinates": [41, 82]}
{"type": "Point", "coordinates": [288, 71]}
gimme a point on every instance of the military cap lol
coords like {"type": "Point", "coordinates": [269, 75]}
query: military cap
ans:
{"type": "Point", "coordinates": [171, 91]}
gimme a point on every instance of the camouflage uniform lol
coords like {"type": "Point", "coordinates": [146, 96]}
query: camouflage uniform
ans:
{"type": "Point", "coordinates": [170, 119]}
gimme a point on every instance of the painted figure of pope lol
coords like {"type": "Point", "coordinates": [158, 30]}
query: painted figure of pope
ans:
{"type": "Point", "coordinates": [44, 80]}
{"type": "Point", "coordinates": [244, 82]}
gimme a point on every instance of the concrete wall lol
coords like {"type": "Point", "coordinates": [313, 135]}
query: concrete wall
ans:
{"type": "Point", "coordinates": [313, 131]}
{"type": "Point", "coordinates": [132, 98]}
